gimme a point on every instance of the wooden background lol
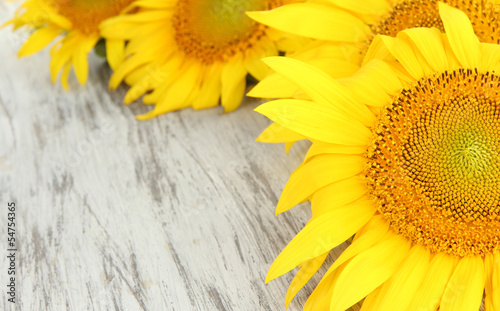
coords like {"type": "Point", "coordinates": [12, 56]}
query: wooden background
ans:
{"type": "Point", "coordinates": [176, 213]}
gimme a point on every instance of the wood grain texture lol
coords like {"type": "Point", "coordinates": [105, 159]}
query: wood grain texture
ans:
{"type": "Point", "coordinates": [176, 213]}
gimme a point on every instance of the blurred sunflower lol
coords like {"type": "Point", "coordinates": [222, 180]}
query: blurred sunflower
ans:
{"type": "Point", "coordinates": [78, 22]}
{"type": "Point", "coordinates": [344, 29]}
{"type": "Point", "coordinates": [193, 53]}
{"type": "Point", "coordinates": [404, 156]}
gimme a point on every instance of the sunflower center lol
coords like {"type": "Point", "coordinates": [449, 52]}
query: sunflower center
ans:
{"type": "Point", "coordinates": [214, 30]}
{"type": "Point", "coordinates": [484, 15]}
{"type": "Point", "coordinates": [86, 15]}
{"type": "Point", "coordinates": [434, 163]}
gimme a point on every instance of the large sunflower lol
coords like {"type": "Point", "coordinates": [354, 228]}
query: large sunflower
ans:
{"type": "Point", "coordinates": [344, 29]}
{"type": "Point", "coordinates": [193, 53]}
{"type": "Point", "coordinates": [78, 22]}
{"type": "Point", "coordinates": [405, 155]}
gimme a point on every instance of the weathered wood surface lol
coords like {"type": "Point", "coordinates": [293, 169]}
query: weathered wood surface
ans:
{"type": "Point", "coordinates": [176, 213]}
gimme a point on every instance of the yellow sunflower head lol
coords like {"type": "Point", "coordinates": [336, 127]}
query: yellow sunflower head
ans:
{"type": "Point", "coordinates": [193, 53]}
{"type": "Point", "coordinates": [356, 23]}
{"type": "Point", "coordinates": [78, 22]}
{"type": "Point", "coordinates": [344, 29]}
{"type": "Point", "coordinates": [405, 156]}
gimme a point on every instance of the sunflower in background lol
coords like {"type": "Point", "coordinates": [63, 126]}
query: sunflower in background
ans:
{"type": "Point", "coordinates": [344, 29]}
{"type": "Point", "coordinates": [414, 173]}
{"type": "Point", "coordinates": [77, 21]}
{"type": "Point", "coordinates": [193, 53]}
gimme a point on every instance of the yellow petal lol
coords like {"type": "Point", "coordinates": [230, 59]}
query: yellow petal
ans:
{"type": "Point", "coordinates": [321, 296]}
{"type": "Point", "coordinates": [161, 76]}
{"type": "Point", "coordinates": [317, 173]}
{"type": "Point", "coordinates": [370, 234]}
{"type": "Point", "coordinates": [273, 86]}
{"type": "Point", "coordinates": [139, 73]}
{"type": "Point", "coordinates": [316, 121]}
{"type": "Point", "coordinates": [287, 42]}
{"type": "Point", "coordinates": [140, 17]}
{"type": "Point", "coordinates": [432, 288]}
{"type": "Point", "coordinates": [79, 58]}
{"type": "Point", "coordinates": [378, 50]}
{"type": "Point", "coordinates": [56, 19]}
{"type": "Point", "coordinates": [129, 65]}
{"type": "Point", "coordinates": [276, 133]}
{"type": "Point", "coordinates": [337, 194]}
{"type": "Point", "coordinates": [347, 52]}
{"type": "Point", "coordinates": [210, 89]}
{"type": "Point", "coordinates": [64, 75]}
{"type": "Point", "coordinates": [322, 234]}
{"type": "Point", "coordinates": [464, 290]}
{"type": "Point", "coordinates": [370, 300]}
{"type": "Point", "coordinates": [138, 89]}
{"type": "Point", "coordinates": [115, 52]}
{"type": "Point", "coordinates": [367, 271]}
{"type": "Point", "coordinates": [288, 146]}
{"type": "Point", "coordinates": [253, 63]}
{"type": "Point", "coordinates": [319, 147]}
{"type": "Point", "coordinates": [374, 84]}
{"type": "Point", "coordinates": [61, 54]}
{"type": "Point", "coordinates": [81, 66]}
{"type": "Point", "coordinates": [334, 67]}
{"type": "Point", "coordinates": [233, 81]}
{"type": "Point", "coordinates": [38, 40]}
{"type": "Point", "coordinates": [490, 57]}
{"type": "Point", "coordinates": [405, 54]}
{"type": "Point", "coordinates": [460, 33]}
{"type": "Point", "coordinates": [177, 94]}
{"type": "Point", "coordinates": [307, 270]}
{"type": "Point", "coordinates": [120, 28]}
{"type": "Point", "coordinates": [321, 88]}
{"type": "Point", "coordinates": [159, 43]}
{"type": "Point", "coordinates": [256, 68]}
{"type": "Point", "coordinates": [152, 4]}
{"type": "Point", "coordinates": [452, 58]}
{"type": "Point", "coordinates": [374, 232]}
{"type": "Point", "coordinates": [373, 7]}
{"type": "Point", "coordinates": [488, 288]}
{"type": "Point", "coordinates": [398, 291]}
{"type": "Point", "coordinates": [492, 288]}
{"type": "Point", "coordinates": [315, 21]}
{"type": "Point", "coordinates": [403, 75]}
{"type": "Point", "coordinates": [161, 88]}
{"type": "Point", "coordinates": [430, 43]}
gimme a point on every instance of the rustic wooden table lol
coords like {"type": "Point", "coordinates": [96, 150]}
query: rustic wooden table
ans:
{"type": "Point", "coordinates": [176, 213]}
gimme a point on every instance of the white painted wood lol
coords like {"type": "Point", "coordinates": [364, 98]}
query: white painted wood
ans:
{"type": "Point", "coordinates": [176, 213]}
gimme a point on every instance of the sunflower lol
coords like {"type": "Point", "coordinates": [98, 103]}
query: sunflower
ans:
{"type": "Point", "coordinates": [77, 21]}
{"type": "Point", "coordinates": [193, 53]}
{"type": "Point", "coordinates": [405, 156]}
{"type": "Point", "coordinates": [343, 31]}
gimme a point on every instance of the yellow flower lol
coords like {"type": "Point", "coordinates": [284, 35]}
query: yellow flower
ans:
{"type": "Point", "coordinates": [193, 53]}
{"type": "Point", "coordinates": [78, 22]}
{"type": "Point", "coordinates": [343, 30]}
{"type": "Point", "coordinates": [405, 155]}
